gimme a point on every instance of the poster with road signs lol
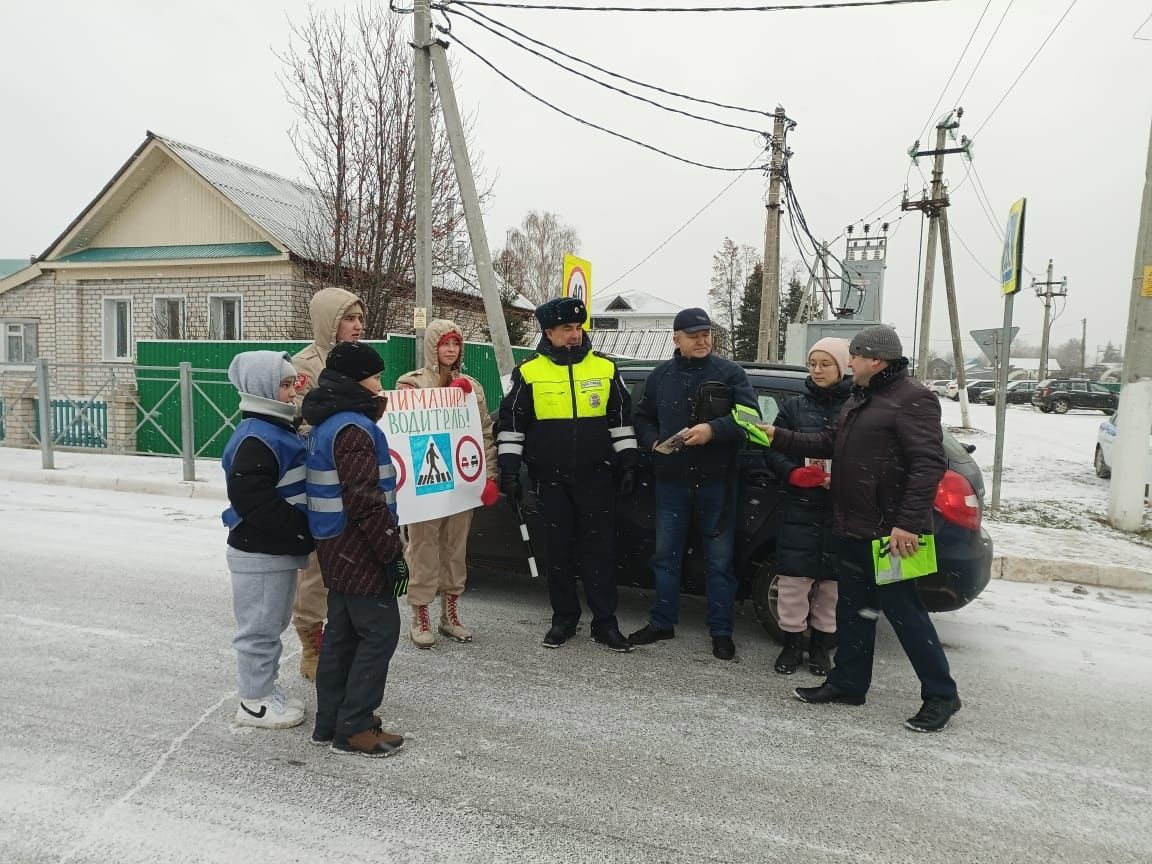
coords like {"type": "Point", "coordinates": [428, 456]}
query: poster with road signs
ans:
{"type": "Point", "coordinates": [578, 283]}
{"type": "Point", "coordinates": [435, 440]}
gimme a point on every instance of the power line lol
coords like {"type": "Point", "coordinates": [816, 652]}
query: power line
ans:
{"type": "Point", "coordinates": [604, 84]}
{"type": "Point", "coordinates": [980, 59]}
{"type": "Point", "coordinates": [1027, 66]}
{"type": "Point", "coordinates": [609, 72]}
{"type": "Point", "coordinates": [675, 233]}
{"type": "Point", "coordinates": [959, 60]}
{"type": "Point", "coordinates": [778, 7]}
{"type": "Point", "coordinates": [991, 275]}
{"type": "Point", "coordinates": [589, 123]}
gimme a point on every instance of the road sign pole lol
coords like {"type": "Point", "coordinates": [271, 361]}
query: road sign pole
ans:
{"type": "Point", "coordinates": [1011, 266]}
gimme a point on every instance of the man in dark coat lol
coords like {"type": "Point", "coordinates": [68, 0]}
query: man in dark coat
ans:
{"type": "Point", "coordinates": [684, 394]}
{"type": "Point", "coordinates": [888, 458]}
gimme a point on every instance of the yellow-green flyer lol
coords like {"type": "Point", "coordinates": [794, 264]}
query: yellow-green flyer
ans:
{"type": "Point", "coordinates": [892, 568]}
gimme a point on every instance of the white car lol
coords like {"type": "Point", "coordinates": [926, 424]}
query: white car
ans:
{"type": "Point", "coordinates": [1104, 441]}
{"type": "Point", "coordinates": [940, 388]}
{"type": "Point", "coordinates": [952, 390]}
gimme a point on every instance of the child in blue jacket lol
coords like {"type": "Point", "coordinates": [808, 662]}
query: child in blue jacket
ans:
{"type": "Point", "coordinates": [268, 536]}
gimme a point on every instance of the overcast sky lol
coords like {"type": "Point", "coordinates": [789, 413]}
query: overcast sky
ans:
{"type": "Point", "coordinates": [81, 83]}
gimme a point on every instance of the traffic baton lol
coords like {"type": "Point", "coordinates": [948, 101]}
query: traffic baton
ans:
{"type": "Point", "coordinates": [524, 535]}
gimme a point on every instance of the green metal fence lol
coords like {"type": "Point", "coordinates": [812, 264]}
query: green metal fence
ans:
{"type": "Point", "coordinates": [215, 404]}
{"type": "Point", "coordinates": [75, 425]}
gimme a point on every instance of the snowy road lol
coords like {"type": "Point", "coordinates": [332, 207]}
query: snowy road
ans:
{"type": "Point", "coordinates": [116, 746]}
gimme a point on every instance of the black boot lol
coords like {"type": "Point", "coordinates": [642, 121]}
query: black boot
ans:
{"type": "Point", "coordinates": [818, 660]}
{"type": "Point", "coordinates": [792, 655]}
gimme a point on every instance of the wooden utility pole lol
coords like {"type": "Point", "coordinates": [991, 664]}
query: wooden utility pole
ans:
{"type": "Point", "coordinates": [422, 78]}
{"type": "Point", "coordinates": [1046, 291]}
{"type": "Point", "coordinates": [1130, 468]}
{"type": "Point", "coordinates": [768, 340]}
{"type": "Point", "coordinates": [934, 206]}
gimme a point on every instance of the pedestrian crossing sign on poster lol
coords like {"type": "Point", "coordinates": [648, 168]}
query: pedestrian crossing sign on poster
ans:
{"type": "Point", "coordinates": [432, 468]}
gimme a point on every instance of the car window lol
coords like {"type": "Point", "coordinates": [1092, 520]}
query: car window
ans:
{"type": "Point", "coordinates": [1098, 388]}
{"type": "Point", "coordinates": [1077, 387]}
{"type": "Point", "coordinates": [954, 450]}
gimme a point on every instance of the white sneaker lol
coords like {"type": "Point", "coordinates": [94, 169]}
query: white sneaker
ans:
{"type": "Point", "coordinates": [269, 713]}
{"type": "Point", "coordinates": [290, 701]}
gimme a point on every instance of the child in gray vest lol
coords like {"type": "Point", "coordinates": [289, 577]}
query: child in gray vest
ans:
{"type": "Point", "coordinates": [268, 536]}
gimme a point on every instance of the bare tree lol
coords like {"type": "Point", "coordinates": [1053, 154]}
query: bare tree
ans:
{"type": "Point", "coordinates": [532, 260]}
{"type": "Point", "coordinates": [731, 266]}
{"type": "Point", "coordinates": [348, 75]}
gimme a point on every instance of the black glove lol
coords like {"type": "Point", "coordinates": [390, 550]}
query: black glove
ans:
{"type": "Point", "coordinates": [510, 487]}
{"type": "Point", "coordinates": [626, 484]}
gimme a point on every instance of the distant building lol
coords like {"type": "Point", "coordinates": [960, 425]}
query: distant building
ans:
{"type": "Point", "coordinates": [638, 325]}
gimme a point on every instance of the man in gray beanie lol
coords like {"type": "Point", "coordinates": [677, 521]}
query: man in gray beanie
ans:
{"type": "Point", "coordinates": [888, 455]}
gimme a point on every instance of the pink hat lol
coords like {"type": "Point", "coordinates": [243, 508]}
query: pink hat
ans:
{"type": "Point", "coordinates": [837, 349]}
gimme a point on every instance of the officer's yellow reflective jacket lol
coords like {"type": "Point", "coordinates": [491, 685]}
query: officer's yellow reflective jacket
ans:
{"type": "Point", "coordinates": [567, 413]}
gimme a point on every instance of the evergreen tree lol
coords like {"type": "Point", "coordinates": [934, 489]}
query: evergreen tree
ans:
{"type": "Point", "coordinates": [747, 329]}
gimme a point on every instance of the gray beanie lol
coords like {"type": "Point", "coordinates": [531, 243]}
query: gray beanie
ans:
{"type": "Point", "coordinates": [879, 342]}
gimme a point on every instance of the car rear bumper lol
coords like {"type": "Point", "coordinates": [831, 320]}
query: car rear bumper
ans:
{"type": "Point", "coordinates": [965, 560]}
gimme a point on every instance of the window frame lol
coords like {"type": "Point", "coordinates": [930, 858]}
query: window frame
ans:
{"type": "Point", "coordinates": [215, 298]}
{"type": "Point", "coordinates": [108, 339]}
{"type": "Point", "coordinates": [159, 298]}
{"type": "Point", "coordinates": [23, 324]}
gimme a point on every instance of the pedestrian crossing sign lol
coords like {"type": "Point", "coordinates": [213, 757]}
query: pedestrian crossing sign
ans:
{"type": "Point", "coordinates": [432, 468]}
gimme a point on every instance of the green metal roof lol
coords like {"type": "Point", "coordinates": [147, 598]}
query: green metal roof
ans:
{"type": "Point", "coordinates": [171, 253]}
{"type": "Point", "coordinates": [8, 266]}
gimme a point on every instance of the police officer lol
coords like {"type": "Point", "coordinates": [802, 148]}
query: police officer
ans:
{"type": "Point", "coordinates": [568, 417]}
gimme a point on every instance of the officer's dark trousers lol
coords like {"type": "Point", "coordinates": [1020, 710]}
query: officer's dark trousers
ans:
{"type": "Point", "coordinates": [856, 633]}
{"type": "Point", "coordinates": [577, 519]}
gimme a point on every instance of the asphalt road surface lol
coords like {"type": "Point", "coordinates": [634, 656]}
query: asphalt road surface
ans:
{"type": "Point", "coordinates": [116, 743]}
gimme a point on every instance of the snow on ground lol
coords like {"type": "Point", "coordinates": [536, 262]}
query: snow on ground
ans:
{"type": "Point", "coordinates": [1052, 503]}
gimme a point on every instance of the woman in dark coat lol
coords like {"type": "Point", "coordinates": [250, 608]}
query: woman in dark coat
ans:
{"type": "Point", "coordinates": [805, 546]}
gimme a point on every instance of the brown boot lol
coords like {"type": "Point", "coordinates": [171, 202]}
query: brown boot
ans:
{"type": "Point", "coordinates": [373, 743]}
{"type": "Point", "coordinates": [421, 629]}
{"type": "Point", "coordinates": [450, 624]}
{"type": "Point", "coordinates": [311, 639]}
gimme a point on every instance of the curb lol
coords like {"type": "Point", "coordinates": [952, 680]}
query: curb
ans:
{"type": "Point", "coordinates": [139, 485]}
{"type": "Point", "coordinates": [1013, 569]}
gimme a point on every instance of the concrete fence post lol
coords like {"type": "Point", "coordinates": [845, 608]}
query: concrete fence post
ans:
{"type": "Point", "coordinates": [44, 411]}
{"type": "Point", "coordinates": [187, 427]}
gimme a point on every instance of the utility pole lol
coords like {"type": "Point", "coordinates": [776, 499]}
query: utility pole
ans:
{"type": "Point", "coordinates": [934, 206]}
{"type": "Point", "coordinates": [1130, 452]}
{"type": "Point", "coordinates": [768, 340]}
{"type": "Point", "coordinates": [1046, 291]}
{"type": "Point", "coordinates": [422, 77]}
{"type": "Point", "coordinates": [493, 308]}
{"type": "Point", "coordinates": [1083, 345]}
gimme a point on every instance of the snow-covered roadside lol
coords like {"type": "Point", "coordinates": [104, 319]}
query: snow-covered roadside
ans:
{"type": "Point", "coordinates": [1053, 506]}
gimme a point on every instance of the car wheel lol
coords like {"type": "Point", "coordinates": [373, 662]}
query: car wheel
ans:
{"type": "Point", "coordinates": [765, 595]}
{"type": "Point", "coordinates": [1061, 406]}
{"type": "Point", "coordinates": [1102, 469]}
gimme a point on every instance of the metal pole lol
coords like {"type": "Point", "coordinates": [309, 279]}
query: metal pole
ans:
{"type": "Point", "coordinates": [1047, 324]}
{"type": "Point", "coordinates": [954, 318]}
{"type": "Point", "coordinates": [1083, 345]}
{"type": "Point", "coordinates": [493, 308]}
{"type": "Point", "coordinates": [930, 262]}
{"type": "Point", "coordinates": [768, 340]}
{"type": "Point", "coordinates": [187, 427]}
{"type": "Point", "coordinates": [1004, 349]}
{"type": "Point", "coordinates": [422, 78]}
{"type": "Point", "coordinates": [1130, 470]}
{"type": "Point", "coordinates": [44, 412]}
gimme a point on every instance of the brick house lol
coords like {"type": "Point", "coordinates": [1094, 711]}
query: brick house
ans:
{"type": "Point", "coordinates": [181, 243]}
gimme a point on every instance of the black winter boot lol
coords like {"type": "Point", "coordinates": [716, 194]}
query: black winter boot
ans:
{"type": "Point", "coordinates": [792, 655]}
{"type": "Point", "coordinates": [818, 660]}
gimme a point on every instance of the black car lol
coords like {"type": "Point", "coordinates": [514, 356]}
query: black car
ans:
{"type": "Point", "coordinates": [1019, 393]}
{"type": "Point", "coordinates": [963, 547]}
{"type": "Point", "coordinates": [978, 388]}
{"type": "Point", "coordinates": [1060, 395]}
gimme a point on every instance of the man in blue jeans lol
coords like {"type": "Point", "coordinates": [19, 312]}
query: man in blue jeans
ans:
{"type": "Point", "coordinates": [693, 393]}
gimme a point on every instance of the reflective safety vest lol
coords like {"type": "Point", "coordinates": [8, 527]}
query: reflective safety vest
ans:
{"type": "Point", "coordinates": [747, 418]}
{"type": "Point", "coordinates": [290, 453]}
{"type": "Point", "coordinates": [326, 516]}
{"type": "Point", "coordinates": [569, 392]}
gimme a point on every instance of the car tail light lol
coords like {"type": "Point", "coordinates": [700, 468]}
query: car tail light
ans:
{"type": "Point", "coordinates": [1045, 391]}
{"type": "Point", "coordinates": [957, 502]}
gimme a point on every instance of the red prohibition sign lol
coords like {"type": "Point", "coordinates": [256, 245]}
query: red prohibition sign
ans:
{"type": "Point", "coordinates": [466, 472]}
{"type": "Point", "coordinates": [401, 468]}
{"type": "Point", "coordinates": [578, 284]}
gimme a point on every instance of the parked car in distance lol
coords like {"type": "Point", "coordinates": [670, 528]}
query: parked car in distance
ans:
{"type": "Point", "coordinates": [1018, 393]}
{"type": "Point", "coordinates": [963, 547]}
{"type": "Point", "coordinates": [1061, 395]}
{"type": "Point", "coordinates": [952, 390]}
{"type": "Point", "coordinates": [940, 388]}
{"type": "Point", "coordinates": [978, 387]}
{"type": "Point", "coordinates": [1105, 440]}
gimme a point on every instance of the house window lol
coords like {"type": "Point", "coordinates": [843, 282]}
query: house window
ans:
{"type": "Point", "coordinates": [605, 323]}
{"type": "Point", "coordinates": [117, 328]}
{"type": "Point", "coordinates": [169, 318]}
{"type": "Point", "coordinates": [224, 317]}
{"type": "Point", "coordinates": [19, 342]}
